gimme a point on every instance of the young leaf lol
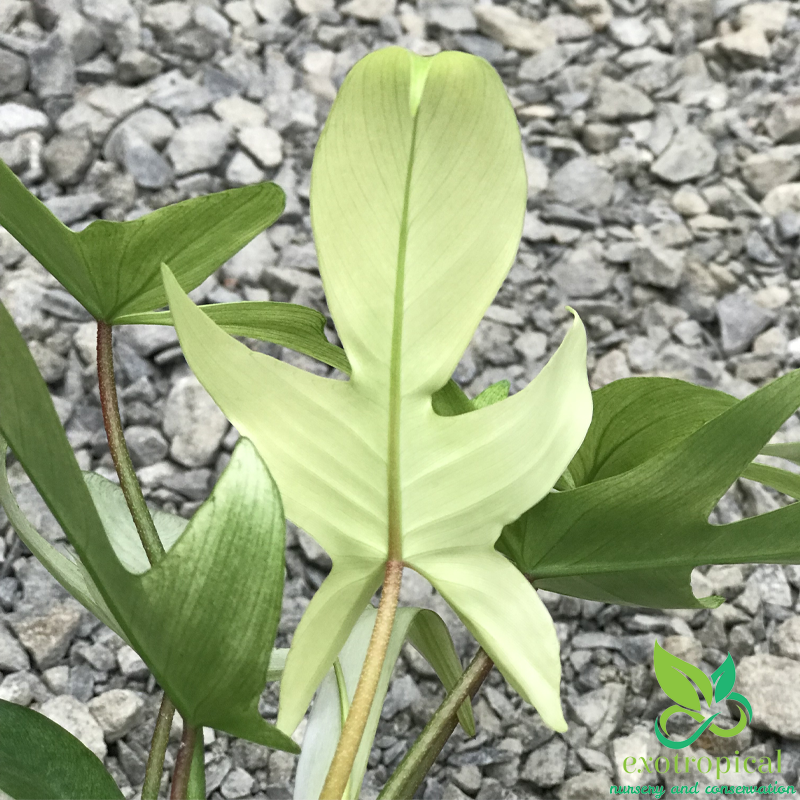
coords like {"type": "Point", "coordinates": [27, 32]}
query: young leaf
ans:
{"type": "Point", "coordinates": [418, 196]}
{"type": "Point", "coordinates": [676, 675]}
{"type": "Point", "coordinates": [203, 618]}
{"type": "Point", "coordinates": [428, 633]}
{"type": "Point", "coordinates": [637, 523]}
{"type": "Point", "coordinates": [112, 268]}
{"type": "Point", "coordinates": [39, 760]}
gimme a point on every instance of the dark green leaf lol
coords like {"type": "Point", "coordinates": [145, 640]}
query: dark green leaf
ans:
{"type": "Point", "coordinates": [205, 617]}
{"type": "Point", "coordinates": [114, 268]}
{"type": "Point", "coordinates": [297, 327]}
{"type": "Point", "coordinates": [39, 760]}
{"type": "Point", "coordinates": [658, 457]}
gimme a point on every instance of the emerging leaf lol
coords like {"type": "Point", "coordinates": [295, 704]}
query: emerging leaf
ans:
{"type": "Point", "coordinates": [428, 633]}
{"type": "Point", "coordinates": [418, 195]}
{"type": "Point", "coordinates": [205, 616]}
{"type": "Point", "coordinates": [39, 760]}
{"type": "Point", "coordinates": [658, 457]}
{"type": "Point", "coordinates": [112, 268]}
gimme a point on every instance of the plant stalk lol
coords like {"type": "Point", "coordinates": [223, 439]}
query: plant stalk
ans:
{"type": "Point", "coordinates": [183, 763]}
{"type": "Point", "coordinates": [119, 450]}
{"type": "Point", "coordinates": [145, 527]}
{"type": "Point", "coordinates": [420, 758]}
{"type": "Point", "coordinates": [342, 764]}
{"type": "Point", "coordinates": [158, 747]}
{"type": "Point", "coordinates": [196, 790]}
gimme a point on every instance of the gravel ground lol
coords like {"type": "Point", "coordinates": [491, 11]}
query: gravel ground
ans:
{"type": "Point", "coordinates": [662, 142]}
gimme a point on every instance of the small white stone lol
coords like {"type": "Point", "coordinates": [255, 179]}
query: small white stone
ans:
{"type": "Point", "coordinates": [118, 712]}
{"type": "Point", "coordinates": [74, 716]}
{"type": "Point", "coordinates": [264, 144]}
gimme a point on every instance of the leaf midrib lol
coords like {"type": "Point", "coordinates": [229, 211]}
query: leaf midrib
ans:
{"type": "Point", "coordinates": [395, 511]}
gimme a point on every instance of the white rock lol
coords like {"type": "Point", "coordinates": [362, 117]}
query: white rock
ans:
{"type": "Point", "coordinates": [769, 683]}
{"type": "Point", "coordinates": [770, 17]}
{"type": "Point", "coordinates": [75, 717]}
{"type": "Point", "coordinates": [131, 664]}
{"type": "Point", "coordinates": [198, 145]}
{"type": "Point", "coordinates": [688, 202]}
{"type": "Point", "coordinates": [537, 175]}
{"type": "Point", "coordinates": [307, 7]}
{"type": "Point", "coordinates": [511, 30]}
{"type": "Point", "coordinates": [238, 112]}
{"type": "Point", "coordinates": [629, 31]}
{"type": "Point", "coordinates": [598, 12]}
{"type": "Point", "coordinates": [16, 118]}
{"type": "Point", "coordinates": [193, 422]}
{"type": "Point", "coordinates": [265, 145]}
{"type": "Point", "coordinates": [18, 687]}
{"type": "Point", "coordinates": [762, 172]}
{"type": "Point", "coordinates": [782, 198]}
{"type": "Point", "coordinates": [243, 171]}
{"type": "Point", "coordinates": [12, 654]}
{"type": "Point", "coordinates": [47, 637]}
{"type": "Point", "coordinates": [641, 743]}
{"type": "Point", "coordinates": [747, 47]}
{"type": "Point", "coordinates": [690, 154]}
{"type": "Point", "coordinates": [118, 712]}
{"type": "Point", "coordinates": [368, 10]}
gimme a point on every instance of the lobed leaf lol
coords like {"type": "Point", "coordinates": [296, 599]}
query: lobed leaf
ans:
{"type": "Point", "coordinates": [418, 196]}
{"type": "Point", "coordinates": [658, 457]}
{"type": "Point", "coordinates": [113, 268]}
{"type": "Point", "coordinates": [205, 616]}
{"type": "Point", "coordinates": [39, 760]}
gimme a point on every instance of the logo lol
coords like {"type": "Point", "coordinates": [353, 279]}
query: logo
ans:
{"type": "Point", "coordinates": [681, 682]}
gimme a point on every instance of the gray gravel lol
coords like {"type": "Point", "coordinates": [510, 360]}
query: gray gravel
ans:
{"type": "Point", "coordinates": [663, 149]}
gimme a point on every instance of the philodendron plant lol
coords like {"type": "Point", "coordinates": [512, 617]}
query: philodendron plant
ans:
{"type": "Point", "coordinates": [418, 196]}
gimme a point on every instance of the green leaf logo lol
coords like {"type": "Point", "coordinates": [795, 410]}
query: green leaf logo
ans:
{"type": "Point", "coordinates": [681, 682]}
{"type": "Point", "coordinates": [724, 676]}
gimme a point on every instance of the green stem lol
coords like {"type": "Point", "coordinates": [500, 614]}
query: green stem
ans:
{"type": "Point", "coordinates": [349, 741]}
{"type": "Point", "coordinates": [183, 763]}
{"type": "Point", "coordinates": [158, 747]}
{"type": "Point", "coordinates": [196, 789]}
{"type": "Point", "coordinates": [419, 759]}
{"type": "Point", "coordinates": [145, 527]}
{"type": "Point", "coordinates": [119, 450]}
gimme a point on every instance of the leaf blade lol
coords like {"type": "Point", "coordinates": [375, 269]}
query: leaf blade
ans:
{"type": "Point", "coordinates": [39, 760]}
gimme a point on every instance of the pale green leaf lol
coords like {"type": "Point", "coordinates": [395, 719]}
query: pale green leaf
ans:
{"type": "Point", "coordinates": [39, 760]}
{"type": "Point", "coordinates": [418, 196]}
{"type": "Point", "coordinates": [112, 268]}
